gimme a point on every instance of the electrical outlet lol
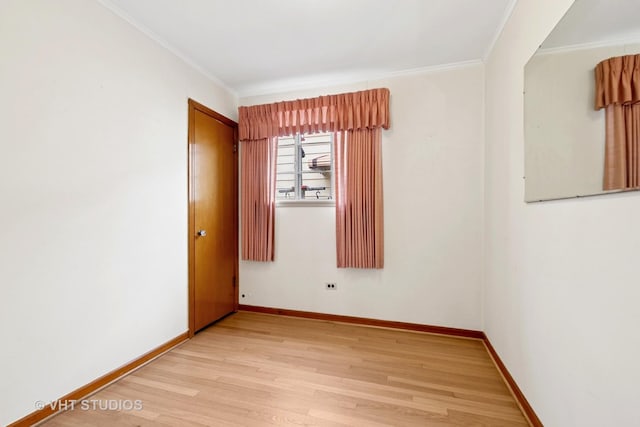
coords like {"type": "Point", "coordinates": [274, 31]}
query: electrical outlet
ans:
{"type": "Point", "coordinates": [331, 286]}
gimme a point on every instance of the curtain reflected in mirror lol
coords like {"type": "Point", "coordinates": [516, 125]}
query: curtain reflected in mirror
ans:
{"type": "Point", "coordinates": [573, 146]}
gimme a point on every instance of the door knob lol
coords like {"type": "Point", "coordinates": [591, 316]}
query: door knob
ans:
{"type": "Point", "coordinates": [202, 233]}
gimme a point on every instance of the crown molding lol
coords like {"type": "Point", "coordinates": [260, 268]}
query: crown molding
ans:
{"type": "Point", "coordinates": [586, 46]}
{"type": "Point", "coordinates": [339, 79]}
{"type": "Point", "coordinates": [503, 22]}
{"type": "Point", "coordinates": [300, 83]}
{"type": "Point", "coordinates": [162, 42]}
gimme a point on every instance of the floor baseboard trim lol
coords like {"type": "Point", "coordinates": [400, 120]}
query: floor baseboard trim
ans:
{"type": "Point", "coordinates": [101, 382]}
{"type": "Point", "coordinates": [442, 330]}
{"type": "Point", "coordinates": [525, 407]}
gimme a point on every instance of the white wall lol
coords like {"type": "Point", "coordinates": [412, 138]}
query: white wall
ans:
{"type": "Point", "coordinates": [93, 185]}
{"type": "Point", "coordinates": [564, 134]}
{"type": "Point", "coordinates": [561, 289]}
{"type": "Point", "coordinates": [433, 190]}
{"type": "Point", "coordinates": [93, 217]}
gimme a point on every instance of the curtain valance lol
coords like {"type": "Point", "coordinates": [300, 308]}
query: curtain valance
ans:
{"type": "Point", "coordinates": [618, 81]}
{"type": "Point", "coordinates": [367, 109]}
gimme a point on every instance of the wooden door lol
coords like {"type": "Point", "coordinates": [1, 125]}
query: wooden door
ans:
{"type": "Point", "coordinates": [213, 216]}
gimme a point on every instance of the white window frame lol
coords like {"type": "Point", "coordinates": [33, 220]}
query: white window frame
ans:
{"type": "Point", "coordinates": [304, 202]}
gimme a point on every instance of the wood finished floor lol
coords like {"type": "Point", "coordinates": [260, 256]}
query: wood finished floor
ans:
{"type": "Point", "coordinates": [255, 369]}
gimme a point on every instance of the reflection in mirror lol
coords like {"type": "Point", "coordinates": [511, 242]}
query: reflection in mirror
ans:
{"type": "Point", "coordinates": [564, 133]}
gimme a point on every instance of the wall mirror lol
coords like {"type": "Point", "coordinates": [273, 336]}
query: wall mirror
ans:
{"type": "Point", "coordinates": [564, 133]}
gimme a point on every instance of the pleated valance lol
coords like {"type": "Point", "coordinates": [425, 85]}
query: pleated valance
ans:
{"type": "Point", "coordinates": [367, 109]}
{"type": "Point", "coordinates": [618, 81]}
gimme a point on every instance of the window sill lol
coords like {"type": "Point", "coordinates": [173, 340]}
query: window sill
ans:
{"type": "Point", "coordinates": [304, 203]}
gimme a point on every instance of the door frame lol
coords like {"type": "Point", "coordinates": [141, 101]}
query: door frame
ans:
{"type": "Point", "coordinates": [193, 107]}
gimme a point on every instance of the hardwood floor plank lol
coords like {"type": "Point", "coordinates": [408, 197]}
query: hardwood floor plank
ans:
{"type": "Point", "coordinates": [255, 369]}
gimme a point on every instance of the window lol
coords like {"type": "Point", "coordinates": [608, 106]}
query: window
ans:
{"type": "Point", "coordinates": [305, 166]}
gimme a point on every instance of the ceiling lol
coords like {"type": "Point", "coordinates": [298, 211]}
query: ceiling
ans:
{"type": "Point", "coordinates": [261, 46]}
{"type": "Point", "coordinates": [596, 22]}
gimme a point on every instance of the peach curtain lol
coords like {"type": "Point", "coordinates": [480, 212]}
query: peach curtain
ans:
{"type": "Point", "coordinates": [359, 209]}
{"type": "Point", "coordinates": [359, 116]}
{"type": "Point", "coordinates": [330, 113]}
{"type": "Point", "coordinates": [618, 91]}
{"type": "Point", "coordinates": [258, 187]}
